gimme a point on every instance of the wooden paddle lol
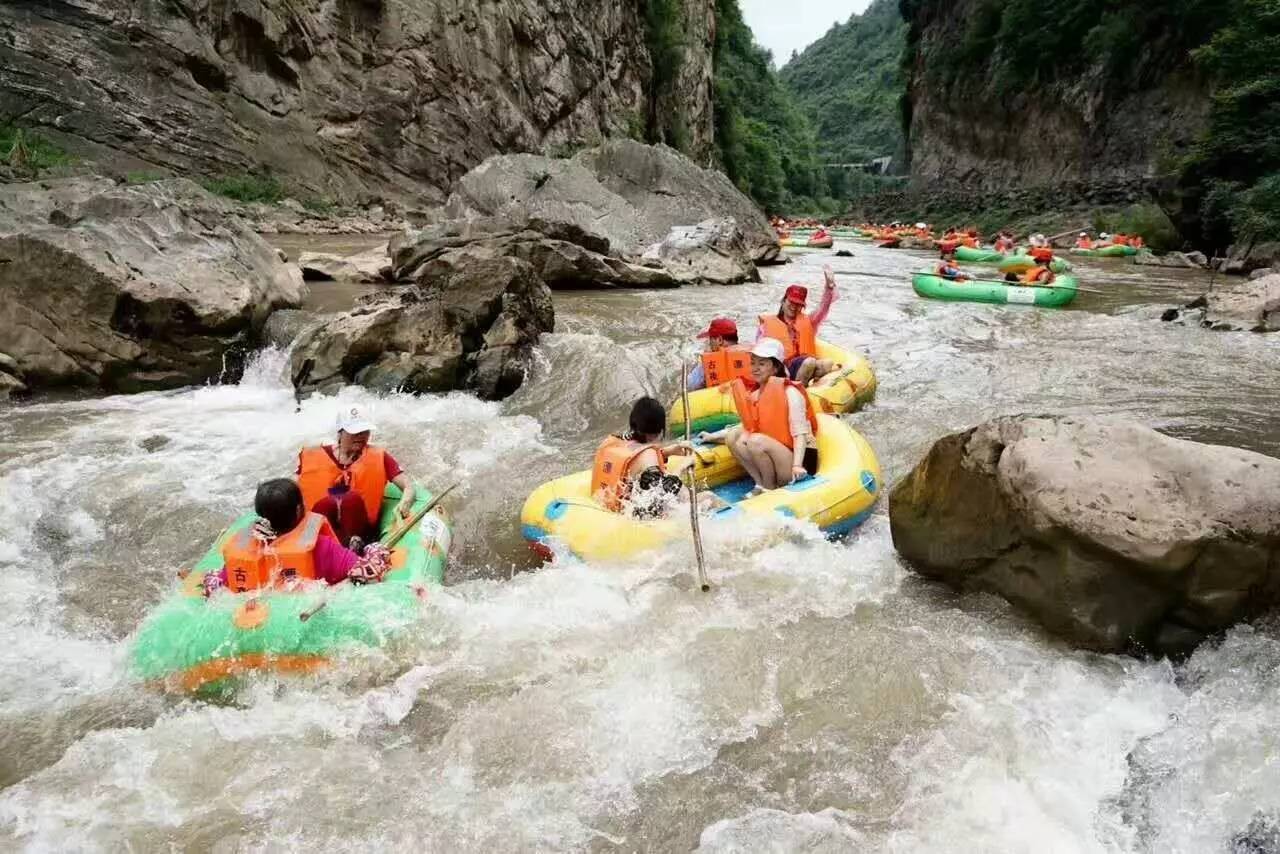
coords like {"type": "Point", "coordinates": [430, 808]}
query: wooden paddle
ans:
{"type": "Point", "coordinates": [390, 540]}
{"type": "Point", "coordinates": [693, 480]}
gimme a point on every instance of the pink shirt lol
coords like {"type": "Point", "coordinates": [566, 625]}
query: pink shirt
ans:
{"type": "Point", "coordinates": [817, 318]}
{"type": "Point", "coordinates": [332, 559]}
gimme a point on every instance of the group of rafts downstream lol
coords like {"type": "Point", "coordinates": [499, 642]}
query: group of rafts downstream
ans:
{"type": "Point", "coordinates": [192, 641]}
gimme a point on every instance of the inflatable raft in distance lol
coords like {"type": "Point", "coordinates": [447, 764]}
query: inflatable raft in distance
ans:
{"type": "Point", "coordinates": [1112, 251]}
{"type": "Point", "coordinates": [1013, 263]}
{"type": "Point", "coordinates": [1060, 293]}
{"type": "Point", "coordinates": [191, 643]}
{"type": "Point", "coordinates": [837, 499]}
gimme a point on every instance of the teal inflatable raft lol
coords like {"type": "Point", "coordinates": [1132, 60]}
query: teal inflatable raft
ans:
{"type": "Point", "coordinates": [1016, 262]}
{"type": "Point", "coordinates": [191, 643]}
{"type": "Point", "coordinates": [1112, 251]}
{"type": "Point", "coordinates": [1060, 293]}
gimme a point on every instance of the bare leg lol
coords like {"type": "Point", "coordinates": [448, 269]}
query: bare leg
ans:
{"type": "Point", "coordinates": [807, 369]}
{"type": "Point", "coordinates": [738, 446]}
{"type": "Point", "coordinates": [773, 457]}
{"type": "Point", "coordinates": [822, 368]}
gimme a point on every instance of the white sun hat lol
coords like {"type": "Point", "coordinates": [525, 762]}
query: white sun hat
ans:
{"type": "Point", "coordinates": [351, 419]}
{"type": "Point", "coordinates": [768, 348]}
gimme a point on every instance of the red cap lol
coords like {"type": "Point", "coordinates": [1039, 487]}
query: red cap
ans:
{"type": "Point", "coordinates": [798, 294]}
{"type": "Point", "coordinates": [721, 327]}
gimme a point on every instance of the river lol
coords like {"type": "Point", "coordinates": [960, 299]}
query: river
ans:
{"type": "Point", "coordinates": [820, 698]}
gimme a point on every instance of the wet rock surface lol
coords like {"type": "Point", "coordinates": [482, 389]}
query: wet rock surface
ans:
{"type": "Point", "coordinates": [468, 321]}
{"type": "Point", "coordinates": [1111, 535]}
{"type": "Point", "coordinates": [130, 288]}
{"type": "Point", "coordinates": [1250, 306]}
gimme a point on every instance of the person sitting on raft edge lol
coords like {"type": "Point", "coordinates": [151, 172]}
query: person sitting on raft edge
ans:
{"type": "Point", "coordinates": [798, 331]}
{"type": "Point", "coordinates": [1042, 273]}
{"type": "Point", "coordinates": [946, 267]}
{"type": "Point", "coordinates": [724, 360]}
{"type": "Point", "coordinates": [631, 468]}
{"type": "Point", "coordinates": [289, 544]}
{"type": "Point", "coordinates": [775, 441]}
{"type": "Point", "coordinates": [345, 481]}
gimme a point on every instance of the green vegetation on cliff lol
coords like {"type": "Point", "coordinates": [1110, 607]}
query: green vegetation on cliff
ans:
{"type": "Point", "coordinates": [1234, 173]}
{"type": "Point", "coordinates": [763, 141]}
{"type": "Point", "coordinates": [848, 83]}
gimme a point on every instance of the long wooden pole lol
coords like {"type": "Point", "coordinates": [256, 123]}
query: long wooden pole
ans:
{"type": "Point", "coordinates": [693, 480]}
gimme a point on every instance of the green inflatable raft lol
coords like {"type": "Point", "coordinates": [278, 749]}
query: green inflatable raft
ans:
{"type": "Point", "coordinates": [1112, 251]}
{"type": "Point", "coordinates": [1005, 262]}
{"type": "Point", "coordinates": [1062, 292]}
{"type": "Point", "coordinates": [191, 643]}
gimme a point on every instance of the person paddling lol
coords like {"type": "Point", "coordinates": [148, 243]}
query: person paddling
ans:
{"type": "Point", "coordinates": [946, 267]}
{"type": "Point", "coordinates": [798, 331]}
{"type": "Point", "coordinates": [723, 360]}
{"type": "Point", "coordinates": [631, 468]}
{"type": "Point", "coordinates": [775, 441]}
{"type": "Point", "coordinates": [345, 481]}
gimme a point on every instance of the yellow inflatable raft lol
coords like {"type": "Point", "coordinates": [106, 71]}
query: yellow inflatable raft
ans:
{"type": "Point", "coordinates": [837, 499]}
{"type": "Point", "coordinates": [845, 390]}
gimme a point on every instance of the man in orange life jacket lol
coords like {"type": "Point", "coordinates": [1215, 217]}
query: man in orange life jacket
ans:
{"type": "Point", "coordinates": [344, 482]}
{"type": "Point", "coordinates": [1040, 274]}
{"type": "Point", "coordinates": [798, 331]}
{"type": "Point", "coordinates": [1083, 241]}
{"type": "Point", "coordinates": [946, 267]}
{"type": "Point", "coordinates": [724, 360]}
{"type": "Point", "coordinates": [775, 441]}
{"type": "Point", "coordinates": [631, 468]}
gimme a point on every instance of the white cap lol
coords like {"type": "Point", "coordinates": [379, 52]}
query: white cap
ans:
{"type": "Point", "coordinates": [1104, 235]}
{"type": "Point", "coordinates": [921, 225]}
{"type": "Point", "coordinates": [768, 348]}
{"type": "Point", "coordinates": [1084, 234]}
{"type": "Point", "coordinates": [353, 420]}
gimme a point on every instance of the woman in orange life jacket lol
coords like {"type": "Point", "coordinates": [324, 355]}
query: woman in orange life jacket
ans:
{"type": "Point", "coordinates": [798, 331]}
{"type": "Point", "coordinates": [724, 360]}
{"type": "Point", "coordinates": [289, 544]}
{"type": "Point", "coordinates": [1041, 274]}
{"type": "Point", "coordinates": [775, 441]}
{"type": "Point", "coordinates": [1083, 241]}
{"type": "Point", "coordinates": [630, 469]}
{"type": "Point", "coordinates": [344, 482]}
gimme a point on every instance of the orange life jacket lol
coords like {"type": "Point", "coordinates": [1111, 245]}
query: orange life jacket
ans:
{"type": "Point", "coordinates": [1119, 240]}
{"type": "Point", "coordinates": [1036, 274]}
{"type": "Point", "coordinates": [726, 365]}
{"type": "Point", "coordinates": [252, 564]}
{"type": "Point", "coordinates": [971, 242]}
{"type": "Point", "coordinates": [367, 477]}
{"type": "Point", "coordinates": [1003, 244]}
{"type": "Point", "coordinates": [1084, 243]}
{"type": "Point", "coordinates": [610, 484]}
{"type": "Point", "coordinates": [797, 340]}
{"type": "Point", "coordinates": [769, 414]}
{"type": "Point", "coordinates": [1041, 253]}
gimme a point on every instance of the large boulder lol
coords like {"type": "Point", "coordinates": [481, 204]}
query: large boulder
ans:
{"type": "Point", "coordinates": [469, 322]}
{"type": "Point", "coordinates": [561, 254]}
{"type": "Point", "coordinates": [1252, 306]}
{"type": "Point", "coordinates": [1171, 260]}
{"type": "Point", "coordinates": [1112, 535]}
{"type": "Point", "coordinates": [624, 192]}
{"type": "Point", "coordinates": [371, 265]}
{"type": "Point", "coordinates": [710, 252]}
{"type": "Point", "coordinates": [130, 288]}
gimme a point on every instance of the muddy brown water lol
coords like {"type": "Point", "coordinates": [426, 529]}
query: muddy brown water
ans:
{"type": "Point", "coordinates": [821, 698]}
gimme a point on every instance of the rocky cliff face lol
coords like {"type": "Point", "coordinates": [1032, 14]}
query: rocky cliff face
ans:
{"type": "Point", "coordinates": [975, 124]}
{"type": "Point", "coordinates": [342, 98]}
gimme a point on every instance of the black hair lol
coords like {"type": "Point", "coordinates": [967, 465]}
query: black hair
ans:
{"type": "Point", "coordinates": [278, 501]}
{"type": "Point", "coordinates": [648, 418]}
{"type": "Point", "coordinates": [732, 339]}
{"type": "Point", "coordinates": [779, 369]}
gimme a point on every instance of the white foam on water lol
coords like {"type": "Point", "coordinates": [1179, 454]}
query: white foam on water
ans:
{"type": "Point", "coordinates": [768, 831]}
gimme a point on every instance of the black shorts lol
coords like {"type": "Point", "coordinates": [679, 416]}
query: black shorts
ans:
{"type": "Point", "coordinates": [811, 461]}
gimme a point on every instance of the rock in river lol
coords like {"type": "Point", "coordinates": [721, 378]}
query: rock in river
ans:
{"type": "Point", "coordinates": [129, 288]}
{"type": "Point", "coordinates": [468, 322]}
{"type": "Point", "coordinates": [623, 192]}
{"type": "Point", "coordinates": [1112, 535]}
{"type": "Point", "coordinates": [1251, 306]}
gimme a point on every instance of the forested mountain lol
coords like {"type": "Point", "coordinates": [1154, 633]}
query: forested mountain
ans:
{"type": "Point", "coordinates": [849, 82]}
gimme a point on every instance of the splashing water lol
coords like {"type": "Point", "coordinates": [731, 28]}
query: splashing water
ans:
{"type": "Point", "coordinates": [820, 698]}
